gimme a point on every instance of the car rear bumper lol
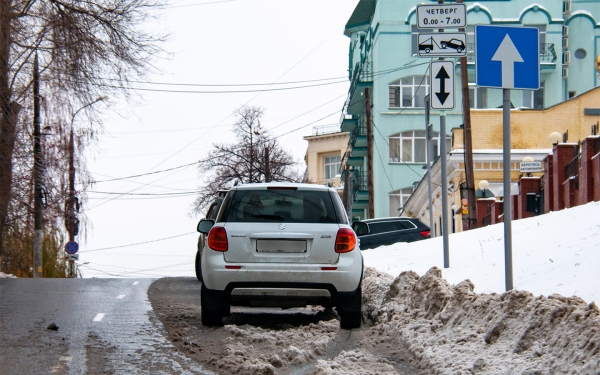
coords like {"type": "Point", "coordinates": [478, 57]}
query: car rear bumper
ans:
{"type": "Point", "coordinates": [343, 276]}
{"type": "Point", "coordinates": [284, 295]}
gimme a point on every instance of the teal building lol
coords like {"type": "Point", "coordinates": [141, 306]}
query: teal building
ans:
{"type": "Point", "coordinates": [384, 66]}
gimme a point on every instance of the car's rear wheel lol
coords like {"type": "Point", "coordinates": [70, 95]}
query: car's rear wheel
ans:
{"type": "Point", "coordinates": [351, 319]}
{"type": "Point", "coordinates": [212, 307]}
{"type": "Point", "coordinates": [198, 265]}
{"type": "Point", "coordinates": [350, 312]}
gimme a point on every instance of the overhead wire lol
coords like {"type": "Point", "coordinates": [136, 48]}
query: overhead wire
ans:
{"type": "Point", "coordinates": [220, 91]}
{"type": "Point", "coordinates": [308, 54]}
{"type": "Point", "coordinates": [138, 243]}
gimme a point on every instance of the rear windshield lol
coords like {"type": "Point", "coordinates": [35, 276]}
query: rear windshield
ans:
{"type": "Point", "coordinates": [289, 206]}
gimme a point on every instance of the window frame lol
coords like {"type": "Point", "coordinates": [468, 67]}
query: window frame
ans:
{"type": "Point", "coordinates": [400, 196]}
{"type": "Point", "coordinates": [328, 165]}
{"type": "Point", "coordinates": [401, 137]}
{"type": "Point", "coordinates": [397, 90]}
{"type": "Point", "coordinates": [532, 94]}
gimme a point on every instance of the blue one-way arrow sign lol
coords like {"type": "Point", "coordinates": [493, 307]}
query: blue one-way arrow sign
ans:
{"type": "Point", "coordinates": [507, 57]}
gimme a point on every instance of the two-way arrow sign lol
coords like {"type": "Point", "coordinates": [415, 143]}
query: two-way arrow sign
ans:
{"type": "Point", "coordinates": [442, 84]}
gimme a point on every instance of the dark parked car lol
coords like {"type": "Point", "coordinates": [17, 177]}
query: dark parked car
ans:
{"type": "Point", "coordinates": [212, 212]}
{"type": "Point", "coordinates": [457, 44]}
{"type": "Point", "coordinates": [386, 231]}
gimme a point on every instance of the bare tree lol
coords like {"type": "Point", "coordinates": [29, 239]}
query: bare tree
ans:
{"type": "Point", "coordinates": [255, 157]}
{"type": "Point", "coordinates": [86, 49]}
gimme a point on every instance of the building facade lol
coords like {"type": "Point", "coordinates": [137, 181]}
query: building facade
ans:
{"type": "Point", "coordinates": [323, 157]}
{"type": "Point", "coordinates": [386, 72]}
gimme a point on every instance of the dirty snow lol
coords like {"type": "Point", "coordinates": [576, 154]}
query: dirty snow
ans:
{"type": "Point", "coordinates": [6, 275]}
{"type": "Point", "coordinates": [421, 318]}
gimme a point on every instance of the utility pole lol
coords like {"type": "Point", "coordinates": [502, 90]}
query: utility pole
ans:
{"type": "Point", "coordinates": [71, 200]}
{"type": "Point", "coordinates": [267, 167]}
{"type": "Point", "coordinates": [369, 155]}
{"type": "Point", "coordinates": [71, 221]}
{"type": "Point", "coordinates": [471, 220]}
{"type": "Point", "coordinates": [37, 175]}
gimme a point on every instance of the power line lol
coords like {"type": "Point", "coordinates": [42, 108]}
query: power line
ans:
{"type": "Point", "coordinates": [235, 84]}
{"type": "Point", "coordinates": [151, 173]}
{"type": "Point", "coordinates": [202, 135]}
{"type": "Point", "coordinates": [199, 4]}
{"type": "Point", "coordinates": [220, 91]}
{"type": "Point", "coordinates": [138, 243]}
{"type": "Point", "coordinates": [185, 193]}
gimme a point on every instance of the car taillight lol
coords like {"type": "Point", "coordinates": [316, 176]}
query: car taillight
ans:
{"type": "Point", "coordinates": [345, 240]}
{"type": "Point", "coordinates": [217, 239]}
{"type": "Point", "coordinates": [426, 233]}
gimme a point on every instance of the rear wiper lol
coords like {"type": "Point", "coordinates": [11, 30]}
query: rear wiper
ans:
{"type": "Point", "coordinates": [269, 217]}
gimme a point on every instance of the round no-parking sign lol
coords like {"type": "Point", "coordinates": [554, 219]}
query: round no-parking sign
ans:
{"type": "Point", "coordinates": [72, 247]}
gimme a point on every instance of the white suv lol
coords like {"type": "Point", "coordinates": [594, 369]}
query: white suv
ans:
{"type": "Point", "coordinates": [281, 245]}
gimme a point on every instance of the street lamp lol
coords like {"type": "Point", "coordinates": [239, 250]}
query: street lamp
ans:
{"type": "Point", "coordinates": [71, 219]}
{"type": "Point", "coordinates": [555, 138]}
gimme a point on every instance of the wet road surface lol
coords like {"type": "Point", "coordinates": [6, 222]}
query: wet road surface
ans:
{"type": "Point", "coordinates": [106, 326]}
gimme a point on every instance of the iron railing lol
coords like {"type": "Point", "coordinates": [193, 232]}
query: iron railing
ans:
{"type": "Point", "coordinates": [547, 53]}
{"type": "Point", "coordinates": [360, 182]}
{"type": "Point", "coordinates": [325, 129]}
{"type": "Point", "coordinates": [572, 168]}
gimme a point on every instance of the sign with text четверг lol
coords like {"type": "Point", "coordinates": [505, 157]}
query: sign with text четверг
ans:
{"type": "Point", "coordinates": [441, 16]}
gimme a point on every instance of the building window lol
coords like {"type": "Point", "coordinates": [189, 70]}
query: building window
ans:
{"type": "Point", "coordinates": [332, 166]}
{"type": "Point", "coordinates": [409, 92]}
{"type": "Point", "coordinates": [409, 147]}
{"type": "Point", "coordinates": [397, 200]}
{"type": "Point", "coordinates": [477, 97]}
{"type": "Point", "coordinates": [534, 98]}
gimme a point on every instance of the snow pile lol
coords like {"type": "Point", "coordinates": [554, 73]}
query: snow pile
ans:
{"type": "Point", "coordinates": [354, 362]}
{"type": "Point", "coordinates": [6, 275]}
{"type": "Point", "coordinates": [291, 347]}
{"type": "Point", "coordinates": [558, 252]}
{"type": "Point", "coordinates": [450, 329]}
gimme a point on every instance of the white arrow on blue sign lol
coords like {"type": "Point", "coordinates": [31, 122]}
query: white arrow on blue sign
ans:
{"type": "Point", "coordinates": [507, 57]}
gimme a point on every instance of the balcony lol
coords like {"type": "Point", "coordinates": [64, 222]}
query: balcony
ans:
{"type": "Point", "coordinates": [325, 129]}
{"type": "Point", "coordinates": [547, 53]}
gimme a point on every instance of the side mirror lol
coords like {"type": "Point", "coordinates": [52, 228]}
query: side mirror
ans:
{"type": "Point", "coordinates": [360, 228]}
{"type": "Point", "coordinates": [204, 225]}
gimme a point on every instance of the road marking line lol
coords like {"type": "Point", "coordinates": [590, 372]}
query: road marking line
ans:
{"type": "Point", "coordinates": [120, 296]}
{"type": "Point", "coordinates": [136, 283]}
{"type": "Point", "coordinates": [99, 317]}
{"type": "Point", "coordinates": [60, 365]}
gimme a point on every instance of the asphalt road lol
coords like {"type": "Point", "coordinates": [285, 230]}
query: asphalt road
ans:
{"type": "Point", "coordinates": [145, 326]}
{"type": "Point", "coordinates": [106, 326]}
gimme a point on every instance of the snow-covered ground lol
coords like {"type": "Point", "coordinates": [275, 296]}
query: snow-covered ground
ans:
{"type": "Point", "coordinates": [460, 320]}
{"type": "Point", "coordinates": [558, 252]}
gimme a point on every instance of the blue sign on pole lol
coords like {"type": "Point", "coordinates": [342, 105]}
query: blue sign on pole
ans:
{"type": "Point", "coordinates": [507, 57]}
{"type": "Point", "coordinates": [72, 247]}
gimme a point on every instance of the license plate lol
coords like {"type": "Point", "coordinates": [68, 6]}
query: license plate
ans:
{"type": "Point", "coordinates": [280, 246]}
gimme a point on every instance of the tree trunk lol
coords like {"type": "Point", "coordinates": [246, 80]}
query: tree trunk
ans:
{"type": "Point", "coordinates": [9, 111]}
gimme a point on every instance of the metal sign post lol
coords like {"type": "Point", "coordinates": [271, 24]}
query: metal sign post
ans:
{"type": "Point", "coordinates": [428, 134]}
{"type": "Point", "coordinates": [507, 58]}
{"type": "Point", "coordinates": [442, 97]}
